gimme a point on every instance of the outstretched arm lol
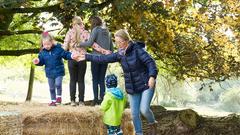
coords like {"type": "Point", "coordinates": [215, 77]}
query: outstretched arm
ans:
{"type": "Point", "coordinates": [98, 48]}
{"type": "Point", "coordinates": [110, 58]}
{"type": "Point", "coordinates": [39, 61]}
{"type": "Point", "coordinates": [90, 40]}
{"type": "Point", "coordinates": [85, 36]}
{"type": "Point", "coordinates": [66, 55]}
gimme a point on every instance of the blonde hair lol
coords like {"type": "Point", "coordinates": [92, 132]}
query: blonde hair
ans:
{"type": "Point", "coordinates": [45, 36]}
{"type": "Point", "coordinates": [77, 20]}
{"type": "Point", "coordinates": [123, 33]}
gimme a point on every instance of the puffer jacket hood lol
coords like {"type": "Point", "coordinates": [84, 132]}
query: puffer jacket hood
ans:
{"type": "Point", "coordinates": [116, 92]}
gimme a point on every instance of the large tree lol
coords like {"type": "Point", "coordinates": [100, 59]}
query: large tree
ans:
{"type": "Point", "coordinates": [189, 38]}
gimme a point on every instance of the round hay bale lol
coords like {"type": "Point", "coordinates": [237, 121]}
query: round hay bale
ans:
{"type": "Point", "coordinates": [10, 123]}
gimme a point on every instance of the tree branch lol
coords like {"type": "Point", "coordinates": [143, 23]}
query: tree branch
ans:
{"type": "Point", "coordinates": [30, 10]}
{"type": "Point", "coordinates": [102, 5]}
{"type": "Point", "coordinates": [9, 33]}
{"type": "Point", "coordinates": [18, 52]}
{"type": "Point", "coordinates": [53, 8]}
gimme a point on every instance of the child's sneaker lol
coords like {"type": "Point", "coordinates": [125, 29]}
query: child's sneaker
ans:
{"type": "Point", "coordinates": [81, 103]}
{"type": "Point", "coordinates": [52, 104]}
{"type": "Point", "coordinates": [99, 102]}
{"type": "Point", "coordinates": [59, 100]}
{"type": "Point", "coordinates": [94, 102]}
{"type": "Point", "coordinates": [73, 103]}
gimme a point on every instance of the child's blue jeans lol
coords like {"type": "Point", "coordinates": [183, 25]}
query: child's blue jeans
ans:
{"type": "Point", "coordinates": [140, 102]}
{"type": "Point", "coordinates": [55, 83]}
{"type": "Point", "coordinates": [114, 130]}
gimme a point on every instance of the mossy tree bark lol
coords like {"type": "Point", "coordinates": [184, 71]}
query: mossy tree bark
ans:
{"type": "Point", "coordinates": [188, 122]}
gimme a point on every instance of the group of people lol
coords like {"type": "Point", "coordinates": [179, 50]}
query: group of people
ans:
{"type": "Point", "coordinates": [139, 69]}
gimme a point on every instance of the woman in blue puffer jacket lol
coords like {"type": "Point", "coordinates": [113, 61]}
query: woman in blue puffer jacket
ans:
{"type": "Point", "coordinates": [140, 73]}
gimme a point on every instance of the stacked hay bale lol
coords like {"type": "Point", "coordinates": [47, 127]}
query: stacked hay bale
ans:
{"type": "Point", "coordinates": [10, 123]}
{"type": "Point", "coordinates": [63, 121]}
{"type": "Point", "coordinates": [66, 120]}
{"type": "Point", "coordinates": [127, 125]}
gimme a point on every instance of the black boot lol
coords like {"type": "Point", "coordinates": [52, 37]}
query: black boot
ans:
{"type": "Point", "coordinates": [94, 102]}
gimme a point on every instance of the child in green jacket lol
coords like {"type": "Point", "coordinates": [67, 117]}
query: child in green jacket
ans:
{"type": "Point", "coordinates": [113, 106]}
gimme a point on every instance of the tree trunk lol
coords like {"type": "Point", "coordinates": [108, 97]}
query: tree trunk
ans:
{"type": "Point", "coordinates": [188, 122]}
{"type": "Point", "coordinates": [30, 84]}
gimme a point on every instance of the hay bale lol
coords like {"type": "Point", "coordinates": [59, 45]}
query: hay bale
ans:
{"type": "Point", "coordinates": [10, 123]}
{"type": "Point", "coordinates": [40, 119]}
{"type": "Point", "coordinates": [66, 120]}
{"type": "Point", "coordinates": [63, 121]}
{"type": "Point", "coordinates": [126, 124]}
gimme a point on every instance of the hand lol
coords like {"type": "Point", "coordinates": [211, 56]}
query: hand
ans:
{"type": "Point", "coordinates": [81, 57]}
{"type": "Point", "coordinates": [75, 55]}
{"type": "Point", "coordinates": [107, 52]}
{"type": "Point", "coordinates": [151, 82]}
{"type": "Point", "coordinates": [36, 61]}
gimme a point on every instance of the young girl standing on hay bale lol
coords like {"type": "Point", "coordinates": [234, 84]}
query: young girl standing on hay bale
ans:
{"type": "Point", "coordinates": [77, 69]}
{"type": "Point", "coordinates": [51, 55]}
{"type": "Point", "coordinates": [113, 106]}
{"type": "Point", "coordinates": [101, 35]}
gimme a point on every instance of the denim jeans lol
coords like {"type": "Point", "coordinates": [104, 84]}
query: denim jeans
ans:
{"type": "Point", "coordinates": [55, 83]}
{"type": "Point", "coordinates": [98, 79]}
{"type": "Point", "coordinates": [140, 102]}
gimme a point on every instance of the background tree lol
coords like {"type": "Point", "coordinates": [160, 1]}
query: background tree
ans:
{"type": "Point", "coordinates": [196, 39]}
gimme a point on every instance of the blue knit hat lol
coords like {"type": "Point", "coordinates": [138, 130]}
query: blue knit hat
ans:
{"type": "Point", "coordinates": [111, 81]}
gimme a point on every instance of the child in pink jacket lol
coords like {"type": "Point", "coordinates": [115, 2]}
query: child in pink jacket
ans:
{"type": "Point", "coordinates": [77, 70]}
